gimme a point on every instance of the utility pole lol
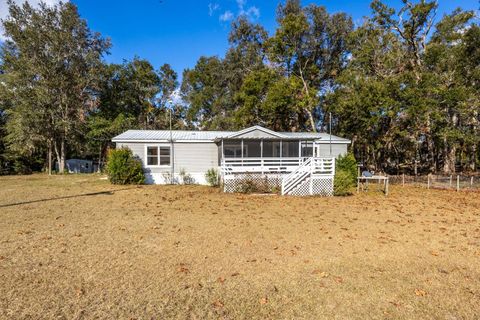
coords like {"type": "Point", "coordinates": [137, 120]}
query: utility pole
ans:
{"type": "Point", "coordinates": [172, 155]}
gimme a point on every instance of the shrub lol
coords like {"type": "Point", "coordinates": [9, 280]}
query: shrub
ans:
{"type": "Point", "coordinates": [250, 184]}
{"type": "Point", "coordinates": [186, 177]}
{"type": "Point", "coordinates": [124, 168]}
{"type": "Point", "coordinates": [342, 183]}
{"type": "Point", "coordinates": [212, 177]}
{"type": "Point", "coordinates": [347, 163]}
{"type": "Point", "coordinates": [345, 175]}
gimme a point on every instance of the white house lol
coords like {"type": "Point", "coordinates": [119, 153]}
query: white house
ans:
{"type": "Point", "coordinates": [294, 158]}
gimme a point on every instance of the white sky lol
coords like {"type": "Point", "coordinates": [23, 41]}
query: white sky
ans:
{"type": "Point", "coordinates": [4, 9]}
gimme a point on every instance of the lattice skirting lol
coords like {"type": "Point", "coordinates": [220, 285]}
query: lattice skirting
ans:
{"type": "Point", "coordinates": [321, 186]}
{"type": "Point", "coordinates": [257, 182]}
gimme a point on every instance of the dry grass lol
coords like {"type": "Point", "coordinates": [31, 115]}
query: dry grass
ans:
{"type": "Point", "coordinates": [76, 247]}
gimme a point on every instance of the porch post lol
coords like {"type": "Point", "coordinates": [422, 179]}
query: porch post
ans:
{"type": "Point", "coordinates": [223, 153]}
{"type": "Point", "coordinates": [281, 152]}
{"type": "Point", "coordinates": [261, 153]}
{"type": "Point", "coordinates": [300, 151]}
{"type": "Point", "coordinates": [241, 149]}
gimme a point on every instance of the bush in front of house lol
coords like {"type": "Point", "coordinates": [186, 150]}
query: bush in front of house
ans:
{"type": "Point", "coordinates": [124, 168]}
{"type": "Point", "coordinates": [252, 184]}
{"type": "Point", "coordinates": [345, 175]}
{"type": "Point", "coordinates": [212, 177]}
{"type": "Point", "coordinates": [186, 177]}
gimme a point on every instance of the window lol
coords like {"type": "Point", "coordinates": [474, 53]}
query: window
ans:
{"type": "Point", "coordinates": [158, 155]}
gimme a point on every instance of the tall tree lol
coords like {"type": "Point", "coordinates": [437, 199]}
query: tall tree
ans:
{"type": "Point", "coordinates": [205, 89]}
{"type": "Point", "coordinates": [456, 98]}
{"type": "Point", "coordinates": [310, 45]}
{"type": "Point", "coordinates": [51, 57]}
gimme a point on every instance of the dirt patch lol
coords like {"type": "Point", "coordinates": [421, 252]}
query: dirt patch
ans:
{"type": "Point", "coordinates": [77, 247]}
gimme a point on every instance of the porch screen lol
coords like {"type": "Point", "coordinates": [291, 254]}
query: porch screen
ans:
{"type": "Point", "coordinates": [252, 149]}
{"type": "Point", "coordinates": [271, 149]}
{"type": "Point", "coordinates": [233, 149]}
{"type": "Point", "coordinates": [307, 148]}
{"type": "Point", "coordinates": [289, 149]}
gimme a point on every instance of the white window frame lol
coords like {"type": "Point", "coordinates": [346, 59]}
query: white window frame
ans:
{"type": "Point", "coordinates": [158, 150]}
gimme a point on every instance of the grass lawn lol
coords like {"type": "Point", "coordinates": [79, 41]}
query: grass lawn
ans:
{"type": "Point", "coordinates": [76, 247]}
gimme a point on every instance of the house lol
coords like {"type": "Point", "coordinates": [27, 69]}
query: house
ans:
{"type": "Point", "coordinates": [78, 166]}
{"type": "Point", "coordinates": [291, 159]}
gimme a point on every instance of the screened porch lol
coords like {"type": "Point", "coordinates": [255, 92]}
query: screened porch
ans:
{"type": "Point", "coordinates": [263, 155]}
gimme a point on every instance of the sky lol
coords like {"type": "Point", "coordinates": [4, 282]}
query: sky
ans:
{"type": "Point", "coordinates": [179, 32]}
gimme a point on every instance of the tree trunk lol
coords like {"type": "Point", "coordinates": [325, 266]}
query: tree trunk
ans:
{"type": "Point", "coordinates": [100, 158]}
{"type": "Point", "coordinates": [49, 157]}
{"type": "Point", "coordinates": [312, 121]}
{"type": "Point", "coordinates": [61, 157]}
{"type": "Point", "coordinates": [449, 157]}
{"type": "Point", "coordinates": [473, 158]}
{"type": "Point", "coordinates": [430, 147]}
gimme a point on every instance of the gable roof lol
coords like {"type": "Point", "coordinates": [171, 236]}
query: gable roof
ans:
{"type": "Point", "coordinates": [210, 136]}
{"type": "Point", "coordinates": [264, 132]}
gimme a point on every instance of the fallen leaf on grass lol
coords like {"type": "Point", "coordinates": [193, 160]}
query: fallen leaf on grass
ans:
{"type": "Point", "coordinates": [80, 292]}
{"type": "Point", "coordinates": [420, 292]}
{"type": "Point", "coordinates": [235, 274]}
{"type": "Point", "coordinates": [322, 274]}
{"type": "Point", "coordinates": [221, 279]}
{"type": "Point", "coordinates": [217, 304]}
{"type": "Point", "coordinates": [264, 300]}
{"type": "Point", "coordinates": [434, 253]}
{"type": "Point", "coordinates": [339, 279]}
{"type": "Point", "coordinates": [183, 269]}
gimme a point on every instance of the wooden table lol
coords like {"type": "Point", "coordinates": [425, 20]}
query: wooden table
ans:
{"type": "Point", "coordinates": [381, 180]}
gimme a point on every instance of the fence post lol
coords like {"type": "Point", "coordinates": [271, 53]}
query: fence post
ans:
{"type": "Point", "coordinates": [450, 181]}
{"type": "Point", "coordinates": [403, 179]}
{"type": "Point", "coordinates": [458, 183]}
{"type": "Point", "coordinates": [428, 181]}
{"type": "Point", "coordinates": [471, 182]}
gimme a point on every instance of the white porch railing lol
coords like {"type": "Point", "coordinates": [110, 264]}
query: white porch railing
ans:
{"type": "Point", "coordinates": [299, 176]}
{"type": "Point", "coordinates": [314, 168]}
{"type": "Point", "coordinates": [261, 165]}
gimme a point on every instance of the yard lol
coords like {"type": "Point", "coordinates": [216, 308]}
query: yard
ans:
{"type": "Point", "coordinates": [76, 247]}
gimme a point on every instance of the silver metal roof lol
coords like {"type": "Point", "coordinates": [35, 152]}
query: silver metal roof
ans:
{"type": "Point", "coordinates": [184, 135]}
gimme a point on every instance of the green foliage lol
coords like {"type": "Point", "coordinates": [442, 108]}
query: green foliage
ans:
{"type": "Point", "coordinates": [51, 58]}
{"type": "Point", "coordinates": [186, 177]}
{"type": "Point", "coordinates": [406, 91]}
{"type": "Point", "coordinates": [348, 164]}
{"type": "Point", "coordinates": [345, 175]}
{"type": "Point", "coordinates": [343, 185]}
{"type": "Point", "coordinates": [124, 168]}
{"type": "Point", "coordinates": [212, 177]}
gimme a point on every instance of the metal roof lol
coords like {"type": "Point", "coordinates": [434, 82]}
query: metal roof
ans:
{"type": "Point", "coordinates": [185, 135]}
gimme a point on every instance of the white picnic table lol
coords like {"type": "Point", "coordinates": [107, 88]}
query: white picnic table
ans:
{"type": "Point", "coordinates": [380, 179]}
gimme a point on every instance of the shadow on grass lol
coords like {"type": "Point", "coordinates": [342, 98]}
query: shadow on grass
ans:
{"type": "Point", "coordinates": [109, 192]}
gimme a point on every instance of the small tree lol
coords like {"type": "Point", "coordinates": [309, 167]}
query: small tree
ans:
{"type": "Point", "coordinates": [124, 168]}
{"type": "Point", "coordinates": [212, 177]}
{"type": "Point", "coordinates": [345, 175]}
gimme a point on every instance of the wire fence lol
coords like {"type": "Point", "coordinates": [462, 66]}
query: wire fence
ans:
{"type": "Point", "coordinates": [450, 182]}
